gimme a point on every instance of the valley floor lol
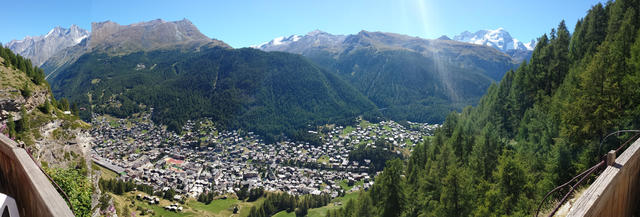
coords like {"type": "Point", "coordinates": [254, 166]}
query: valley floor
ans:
{"type": "Point", "coordinates": [203, 159]}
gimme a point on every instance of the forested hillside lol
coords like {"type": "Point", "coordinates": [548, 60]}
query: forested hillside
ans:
{"type": "Point", "coordinates": [534, 130]}
{"type": "Point", "coordinates": [408, 78]}
{"type": "Point", "coordinates": [268, 93]}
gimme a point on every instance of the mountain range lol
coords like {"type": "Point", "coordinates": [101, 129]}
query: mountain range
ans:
{"type": "Point", "coordinates": [499, 39]}
{"type": "Point", "coordinates": [409, 78]}
{"type": "Point", "coordinates": [41, 48]}
{"type": "Point", "coordinates": [171, 69]}
{"type": "Point", "coordinates": [118, 39]}
{"type": "Point", "coordinates": [124, 69]}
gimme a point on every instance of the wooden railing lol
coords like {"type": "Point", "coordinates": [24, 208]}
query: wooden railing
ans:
{"type": "Point", "coordinates": [21, 179]}
{"type": "Point", "coordinates": [616, 191]}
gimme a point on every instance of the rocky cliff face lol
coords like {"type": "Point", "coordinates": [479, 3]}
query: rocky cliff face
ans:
{"type": "Point", "coordinates": [41, 48]}
{"type": "Point", "coordinates": [12, 103]}
{"type": "Point", "coordinates": [146, 35]}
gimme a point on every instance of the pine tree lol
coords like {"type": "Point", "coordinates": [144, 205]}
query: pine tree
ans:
{"type": "Point", "coordinates": [511, 181]}
{"type": "Point", "coordinates": [485, 153]}
{"type": "Point", "coordinates": [560, 62]}
{"type": "Point", "coordinates": [392, 198]}
{"type": "Point", "coordinates": [364, 205]}
{"type": "Point", "coordinates": [74, 109]}
{"type": "Point", "coordinates": [453, 200]}
{"type": "Point", "coordinates": [26, 90]}
{"type": "Point", "coordinates": [11, 127]}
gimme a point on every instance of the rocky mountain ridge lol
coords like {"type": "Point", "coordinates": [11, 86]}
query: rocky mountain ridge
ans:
{"type": "Point", "coordinates": [149, 35]}
{"type": "Point", "coordinates": [116, 39]}
{"type": "Point", "coordinates": [41, 48]}
{"type": "Point", "coordinates": [409, 78]}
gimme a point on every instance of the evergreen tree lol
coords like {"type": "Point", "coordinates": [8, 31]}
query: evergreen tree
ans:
{"type": "Point", "coordinates": [511, 181]}
{"type": "Point", "coordinates": [11, 127]}
{"type": "Point", "coordinates": [26, 90]}
{"type": "Point", "coordinates": [64, 104]}
{"type": "Point", "coordinates": [391, 196]}
{"type": "Point", "coordinates": [365, 206]}
{"type": "Point", "coordinates": [74, 109]}
{"type": "Point", "coordinates": [453, 198]}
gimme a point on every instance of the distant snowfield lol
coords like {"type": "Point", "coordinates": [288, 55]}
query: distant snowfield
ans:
{"type": "Point", "coordinates": [498, 38]}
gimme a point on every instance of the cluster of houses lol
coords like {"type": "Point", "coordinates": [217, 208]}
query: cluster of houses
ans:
{"type": "Point", "coordinates": [148, 199]}
{"type": "Point", "coordinates": [203, 159]}
{"type": "Point", "coordinates": [174, 207]}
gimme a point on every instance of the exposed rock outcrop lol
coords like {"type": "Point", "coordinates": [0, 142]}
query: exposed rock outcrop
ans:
{"type": "Point", "coordinates": [12, 103]}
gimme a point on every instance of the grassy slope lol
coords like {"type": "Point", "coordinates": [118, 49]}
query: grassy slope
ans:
{"type": "Point", "coordinates": [322, 211]}
{"type": "Point", "coordinates": [217, 208]}
{"type": "Point", "coordinates": [10, 77]}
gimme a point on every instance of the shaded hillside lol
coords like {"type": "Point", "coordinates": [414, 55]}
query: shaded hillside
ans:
{"type": "Point", "coordinates": [270, 93]}
{"type": "Point", "coordinates": [409, 78]}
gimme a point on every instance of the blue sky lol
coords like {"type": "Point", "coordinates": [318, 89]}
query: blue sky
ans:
{"type": "Point", "coordinates": [242, 23]}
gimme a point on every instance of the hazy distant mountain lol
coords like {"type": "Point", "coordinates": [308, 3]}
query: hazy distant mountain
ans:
{"type": "Point", "coordinates": [409, 78]}
{"type": "Point", "coordinates": [118, 39]}
{"type": "Point", "coordinates": [444, 37]}
{"type": "Point", "coordinates": [300, 44]}
{"type": "Point", "coordinates": [40, 48]}
{"type": "Point", "coordinates": [499, 39]}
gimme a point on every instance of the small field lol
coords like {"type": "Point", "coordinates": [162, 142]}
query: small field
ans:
{"type": "Point", "coordinates": [336, 203]}
{"type": "Point", "coordinates": [323, 160]}
{"type": "Point", "coordinates": [347, 130]}
{"type": "Point", "coordinates": [104, 172]}
{"type": "Point", "coordinates": [285, 214]}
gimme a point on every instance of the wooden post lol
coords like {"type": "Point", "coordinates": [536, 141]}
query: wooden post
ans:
{"type": "Point", "coordinates": [611, 158]}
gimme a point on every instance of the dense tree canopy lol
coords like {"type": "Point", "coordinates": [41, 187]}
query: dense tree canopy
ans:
{"type": "Point", "coordinates": [534, 130]}
{"type": "Point", "coordinates": [268, 93]}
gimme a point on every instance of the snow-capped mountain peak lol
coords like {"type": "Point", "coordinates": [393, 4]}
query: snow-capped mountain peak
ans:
{"type": "Point", "coordinates": [40, 48]}
{"type": "Point", "coordinates": [531, 45]}
{"type": "Point", "coordinates": [299, 43]}
{"type": "Point", "coordinates": [52, 31]}
{"type": "Point", "coordinates": [501, 40]}
{"type": "Point", "coordinates": [282, 40]}
{"type": "Point", "coordinates": [498, 38]}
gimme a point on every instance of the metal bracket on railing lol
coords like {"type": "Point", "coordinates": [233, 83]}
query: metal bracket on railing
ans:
{"type": "Point", "coordinates": [8, 204]}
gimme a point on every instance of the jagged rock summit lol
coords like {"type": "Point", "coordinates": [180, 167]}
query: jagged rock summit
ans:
{"type": "Point", "coordinates": [40, 48]}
